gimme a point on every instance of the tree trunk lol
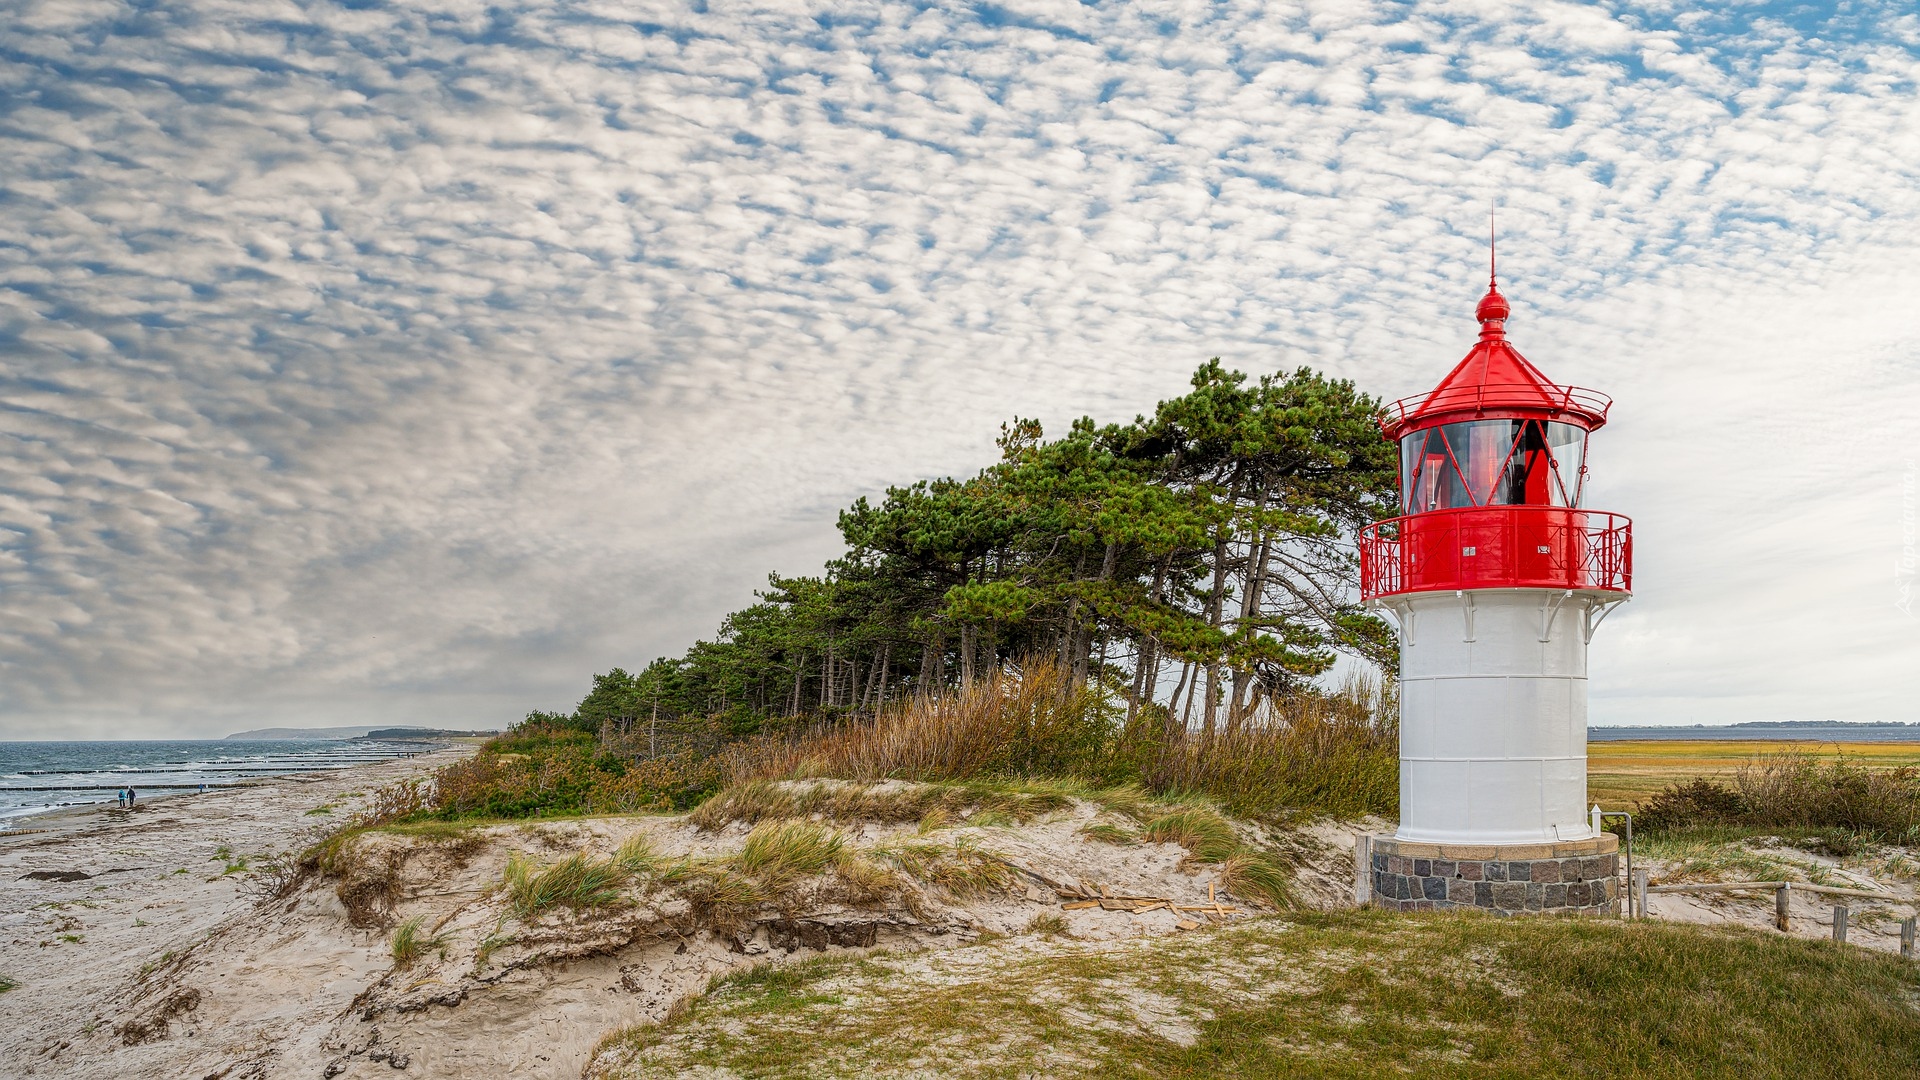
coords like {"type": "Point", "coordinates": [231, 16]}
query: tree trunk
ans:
{"type": "Point", "coordinates": [1216, 605]}
{"type": "Point", "coordinates": [826, 677]}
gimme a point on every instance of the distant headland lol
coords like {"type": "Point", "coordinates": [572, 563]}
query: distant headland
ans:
{"type": "Point", "coordinates": [1823, 730]}
{"type": "Point", "coordinates": [360, 732]}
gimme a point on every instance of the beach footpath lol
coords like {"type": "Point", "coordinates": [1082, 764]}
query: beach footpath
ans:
{"type": "Point", "coordinates": [93, 900]}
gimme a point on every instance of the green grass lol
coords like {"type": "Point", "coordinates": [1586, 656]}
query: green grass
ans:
{"type": "Point", "coordinates": [410, 942]}
{"type": "Point", "coordinates": [637, 856]}
{"type": "Point", "coordinates": [1205, 834]}
{"type": "Point", "coordinates": [1349, 994]}
{"type": "Point", "coordinates": [574, 882]}
{"type": "Point", "coordinates": [1107, 833]}
{"type": "Point", "coordinates": [1723, 853]}
{"type": "Point", "coordinates": [233, 864]}
{"type": "Point", "coordinates": [1245, 871]}
{"type": "Point", "coordinates": [946, 804]}
{"type": "Point", "coordinates": [962, 868]}
{"type": "Point", "coordinates": [776, 851]}
{"type": "Point", "coordinates": [7, 983]}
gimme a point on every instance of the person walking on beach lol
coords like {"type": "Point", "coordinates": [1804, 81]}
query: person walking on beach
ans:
{"type": "Point", "coordinates": [121, 798]}
{"type": "Point", "coordinates": [129, 798]}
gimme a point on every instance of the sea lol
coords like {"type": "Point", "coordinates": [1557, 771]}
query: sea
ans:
{"type": "Point", "coordinates": [36, 777]}
{"type": "Point", "coordinates": [1781, 730]}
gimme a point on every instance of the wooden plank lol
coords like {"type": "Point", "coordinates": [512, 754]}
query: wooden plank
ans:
{"type": "Point", "coordinates": [1751, 886]}
{"type": "Point", "coordinates": [1080, 905]}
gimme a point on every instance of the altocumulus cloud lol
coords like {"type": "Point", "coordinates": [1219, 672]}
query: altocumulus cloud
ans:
{"type": "Point", "coordinates": [409, 362]}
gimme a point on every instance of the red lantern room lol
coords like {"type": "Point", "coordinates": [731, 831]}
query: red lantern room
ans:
{"type": "Point", "coordinates": [1492, 467]}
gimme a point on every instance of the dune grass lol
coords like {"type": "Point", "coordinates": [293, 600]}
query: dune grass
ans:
{"type": "Point", "coordinates": [1108, 833]}
{"type": "Point", "coordinates": [1245, 871]}
{"type": "Point", "coordinates": [754, 801]}
{"type": "Point", "coordinates": [411, 941]}
{"type": "Point", "coordinates": [574, 882]}
{"type": "Point", "coordinates": [1350, 994]}
{"type": "Point", "coordinates": [1205, 834]}
{"type": "Point", "coordinates": [776, 851]}
{"type": "Point", "coordinates": [962, 868]}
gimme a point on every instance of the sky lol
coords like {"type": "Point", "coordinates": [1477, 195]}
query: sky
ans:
{"type": "Point", "coordinates": [409, 363]}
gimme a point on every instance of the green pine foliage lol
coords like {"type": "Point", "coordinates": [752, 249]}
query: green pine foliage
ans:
{"type": "Point", "coordinates": [1198, 560]}
{"type": "Point", "coordinates": [1145, 604]}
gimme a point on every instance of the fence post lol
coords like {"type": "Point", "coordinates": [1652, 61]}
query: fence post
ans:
{"type": "Point", "coordinates": [1780, 907]}
{"type": "Point", "coordinates": [1362, 869]}
{"type": "Point", "coordinates": [1906, 937]}
{"type": "Point", "coordinates": [1638, 901]}
{"type": "Point", "coordinates": [1840, 924]}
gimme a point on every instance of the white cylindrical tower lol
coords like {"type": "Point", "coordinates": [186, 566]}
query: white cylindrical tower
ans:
{"type": "Point", "coordinates": [1498, 576]}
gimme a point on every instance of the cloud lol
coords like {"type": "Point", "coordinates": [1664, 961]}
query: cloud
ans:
{"type": "Point", "coordinates": [413, 361]}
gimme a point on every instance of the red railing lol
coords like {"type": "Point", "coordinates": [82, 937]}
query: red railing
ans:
{"type": "Point", "coordinates": [1497, 547]}
{"type": "Point", "coordinates": [1591, 405]}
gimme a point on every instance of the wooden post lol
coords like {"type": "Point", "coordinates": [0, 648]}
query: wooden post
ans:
{"type": "Point", "coordinates": [1638, 901]}
{"type": "Point", "coordinates": [1362, 869]}
{"type": "Point", "coordinates": [1906, 937]}
{"type": "Point", "coordinates": [1840, 924]}
{"type": "Point", "coordinates": [1780, 907]}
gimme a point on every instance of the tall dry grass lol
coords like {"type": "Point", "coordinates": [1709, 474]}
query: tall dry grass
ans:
{"type": "Point", "coordinates": [1329, 752]}
{"type": "Point", "coordinates": [1028, 720]}
{"type": "Point", "coordinates": [1337, 752]}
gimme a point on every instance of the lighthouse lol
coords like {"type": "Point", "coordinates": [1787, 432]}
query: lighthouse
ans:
{"type": "Point", "coordinates": [1498, 574]}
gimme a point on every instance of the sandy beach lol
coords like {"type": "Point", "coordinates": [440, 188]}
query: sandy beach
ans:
{"type": "Point", "coordinates": [102, 894]}
{"type": "Point", "coordinates": [146, 944]}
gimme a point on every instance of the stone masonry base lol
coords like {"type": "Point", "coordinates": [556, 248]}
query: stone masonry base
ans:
{"type": "Point", "coordinates": [1572, 877]}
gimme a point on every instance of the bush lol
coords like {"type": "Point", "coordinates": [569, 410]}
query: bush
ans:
{"type": "Point", "coordinates": [1792, 789]}
{"type": "Point", "coordinates": [538, 771]}
{"type": "Point", "coordinates": [1694, 803]}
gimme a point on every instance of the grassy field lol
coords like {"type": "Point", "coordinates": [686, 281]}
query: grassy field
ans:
{"type": "Point", "coordinates": [1348, 994]}
{"type": "Point", "coordinates": [1620, 774]}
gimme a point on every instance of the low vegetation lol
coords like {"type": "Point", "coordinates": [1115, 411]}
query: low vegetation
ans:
{"type": "Point", "coordinates": [1334, 753]}
{"type": "Point", "coordinates": [411, 941]}
{"type": "Point", "coordinates": [574, 882]}
{"type": "Point", "coordinates": [1352, 994]}
{"type": "Point", "coordinates": [1795, 791]}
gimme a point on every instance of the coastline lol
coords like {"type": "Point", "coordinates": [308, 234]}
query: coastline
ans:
{"type": "Point", "coordinates": [97, 896]}
{"type": "Point", "coordinates": [68, 819]}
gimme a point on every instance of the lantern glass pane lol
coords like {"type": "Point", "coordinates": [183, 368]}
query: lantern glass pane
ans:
{"type": "Point", "coordinates": [1491, 463]}
{"type": "Point", "coordinates": [1568, 446]}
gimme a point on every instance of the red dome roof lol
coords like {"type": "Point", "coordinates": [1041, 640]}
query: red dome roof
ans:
{"type": "Point", "coordinates": [1495, 380]}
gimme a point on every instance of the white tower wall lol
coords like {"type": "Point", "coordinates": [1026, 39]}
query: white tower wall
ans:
{"type": "Point", "coordinates": [1493, 714]}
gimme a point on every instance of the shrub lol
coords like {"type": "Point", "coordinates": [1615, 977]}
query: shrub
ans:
{"type": "Point", "coordinates": [1694, 803]}
{"type": "Point", "coordinates": [1792, 789]}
